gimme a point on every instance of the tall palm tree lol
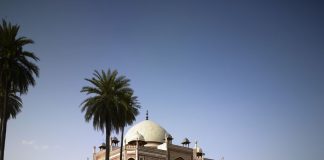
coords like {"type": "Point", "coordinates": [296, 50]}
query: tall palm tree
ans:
{"type": "Point", "coordinates": [109, 95]}
{"type": "Point", "coordinates": [16, 70]}
{"type": "Point", "coordinates": [128, 114]}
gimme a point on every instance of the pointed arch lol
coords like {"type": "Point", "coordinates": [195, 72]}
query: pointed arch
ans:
{"type": "Point", "coordinates": [179, 158]}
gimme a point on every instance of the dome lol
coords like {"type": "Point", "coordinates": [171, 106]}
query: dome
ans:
{"type": "Point", "coordinates": [185, 141]}
{"type": "Point", "coordinates": [114, 140]}
{"type": "Point", "coordinates": [199, 150]}
{"type": "Point", "coordinates": [103, 146]}
{"type": "Point", "coordinates": [150, 131]}
{"type": "Point", "coordinates": [169, 137]}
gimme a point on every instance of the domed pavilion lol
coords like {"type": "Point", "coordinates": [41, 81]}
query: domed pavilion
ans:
{"type": "Point", "coordinates": [148, 140]}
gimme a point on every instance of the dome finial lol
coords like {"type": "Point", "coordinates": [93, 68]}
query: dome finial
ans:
{"type": "Point", "coordinates": [146, 114]}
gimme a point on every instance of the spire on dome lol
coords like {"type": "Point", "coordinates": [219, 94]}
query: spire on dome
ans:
{"type": "Point", "coordinates": [146, 114]}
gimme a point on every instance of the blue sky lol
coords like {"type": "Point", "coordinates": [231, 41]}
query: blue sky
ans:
{"type": "Point", "coordinates": [245, 79]}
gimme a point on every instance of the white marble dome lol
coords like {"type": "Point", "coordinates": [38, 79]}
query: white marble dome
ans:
{"type": "Point", "coordinates": [199, 150]}
{"type": "Point", "coordinates": [152, 132]}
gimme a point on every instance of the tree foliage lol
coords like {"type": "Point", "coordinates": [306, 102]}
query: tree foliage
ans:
{"type": "Point", "coordinates": [111, 103]}
{"type": "Point", "coordinates": [17, 72]}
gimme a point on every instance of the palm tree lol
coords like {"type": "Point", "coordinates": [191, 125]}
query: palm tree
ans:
{"type": "Point", "coordinates": [109, 95]}
{"type": "Point", "coordinates": [128, 114]}
{"type": "Point", "coordinates": [16, 70]}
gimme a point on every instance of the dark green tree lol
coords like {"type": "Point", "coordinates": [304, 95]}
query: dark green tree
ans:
{"type": "Point", "coordinates": [128, 113]}
{"type": "Point", "coordinates": [17, 70]}
{"type": "Point", "coordinates": [110, 97]}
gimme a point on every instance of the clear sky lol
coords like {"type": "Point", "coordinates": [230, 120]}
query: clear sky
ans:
{"type": "Point", "coordinates": [245, 79]}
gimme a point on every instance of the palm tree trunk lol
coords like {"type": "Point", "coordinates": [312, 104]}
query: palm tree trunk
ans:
{"type": "Point", "coordinates": [121, 144]}
{"type": "Point", "coordinates": [0, 134]}
{"type": "Point", "coordinates": [3, 98]}
{"type": "Point", "coordinates": [3, 143]}
{"type": "Point", "coordinates": [108, 128]}
{"type": "Point", "coordinates": [3, 124]}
